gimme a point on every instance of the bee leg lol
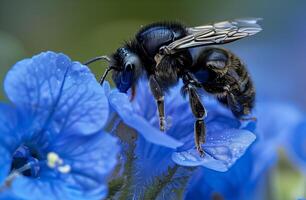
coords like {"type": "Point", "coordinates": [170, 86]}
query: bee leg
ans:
{"type": "Point", "coordinates": [133, 92]}
{"type": "Point", "coordinates": [199, 112]}
{"type": "Point", "coordinates": [239, 110]}
{"type": "Point", "coordinates": [248, 119]}
{"type": "Point", "coordinates": [158, 94]}
{"type": "Point", "coordinates": [234, 105]}
{"type": "Point", "coordinates": [199, 135]}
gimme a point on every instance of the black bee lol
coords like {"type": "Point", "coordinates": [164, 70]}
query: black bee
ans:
{"type": "Point", "coordinates": [168, 52]}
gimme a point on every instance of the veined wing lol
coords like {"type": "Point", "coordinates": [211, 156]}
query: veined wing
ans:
{"type": "Point", "coordinates": [217, 33]}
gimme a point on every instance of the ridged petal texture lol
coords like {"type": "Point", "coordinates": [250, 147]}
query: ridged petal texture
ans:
{"type": "Point", "coordinates": [57, 88]}
{"type": "Point", "coordinates": [59, 108]}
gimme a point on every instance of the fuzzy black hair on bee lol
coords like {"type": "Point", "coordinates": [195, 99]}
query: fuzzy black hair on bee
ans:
{"type": "Point", "coordinates": [169, 52]}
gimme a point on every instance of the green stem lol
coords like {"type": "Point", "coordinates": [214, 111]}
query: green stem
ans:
{"type": "Point", "coordinates": [128, 175]}
{"type": "Point", "coordinates": [115, 186]}
{"type": "Point", "coordinates": [121, 187]}
{"type": "Point", "coordinates": [162, 182]}
{"type": "Point", "coordinates": [304, 185]}
{"type": "Point", "coordinates": [174, 182]}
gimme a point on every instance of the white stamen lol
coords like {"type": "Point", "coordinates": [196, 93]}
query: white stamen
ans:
{"type": "Point", "coordinates": [65, 169]}
{"type": "Point", "coordinates": [55, 162]}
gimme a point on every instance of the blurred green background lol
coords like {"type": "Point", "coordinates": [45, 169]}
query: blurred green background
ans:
{"type": "Point", "coordinates": [85, 29]}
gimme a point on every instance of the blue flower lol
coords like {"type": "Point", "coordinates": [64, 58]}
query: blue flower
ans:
{"type": "Point", "coordinates": [52, 141]}
{"type": "Point", "coordinates": [247, 179]}
{"type": "Point", "coordinates": [156, 166]}
{"type": "Point", "coordinates": [296, 146]}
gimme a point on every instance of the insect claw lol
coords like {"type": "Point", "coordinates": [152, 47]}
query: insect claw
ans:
{"type": "Point", "coordinates": [162, 124]}
{"type": "Point", "coordinates": [201, 151]}
{"type": "Point", "coordinates": [249, 119]}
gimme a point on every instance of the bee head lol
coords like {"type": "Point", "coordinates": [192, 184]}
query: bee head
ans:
{"type": "Point", "coordinates": [127, 65]}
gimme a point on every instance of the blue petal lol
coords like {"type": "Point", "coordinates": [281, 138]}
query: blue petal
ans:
{"type": "Point", "coordinates": [179, 124]}
{"type": "Point", "coordinates": [9, 138]}
{"type": "Point", "coordinates": [153, 167]}
{"type": "Point", "coordinates": [106, 88]}
{"type": "Point", "coordinates": [241, 181]}
{"type": "Point", "coordinates": [10, 127]}
{"type": "Point", "coordinates": [5, 163]}
{"type": "Point", "coordinates": [222, 149]}
{"type": "Point", "coordinates": [122, 105]}
{"type": "Point", "coordinates": [296, 146]}
{"type": "Point", "coordinates": [28, 189]}
{"type": "Point", "coordinates": [57, 92]}
{"type": "Point", "coordinates": [152, 161]}
{"type": "Point", "coordinates": [180, 120]}
{"type": "Point", "coordinates": [285, 119]}
{"type": "Point", "coordinates": [218, 120]}
{"type": "Point", "coordinates": [175, 103]}
{"type": "Point", "coordinates": [91, 158]}
{"type": "Point", "coordinates": [283, 116]}
{"type": "Point", "coordinates": [7, 195]}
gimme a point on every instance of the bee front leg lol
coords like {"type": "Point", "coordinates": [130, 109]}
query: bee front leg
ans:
{"type": "Point", "coordinates": [158, 94]}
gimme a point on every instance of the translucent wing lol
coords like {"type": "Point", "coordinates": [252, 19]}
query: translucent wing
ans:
{"type": "Point", "coordinates": [218, 33]}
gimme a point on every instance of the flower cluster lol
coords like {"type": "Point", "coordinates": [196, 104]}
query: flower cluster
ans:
{"type": "Point", "coordinates": [248, 178]}
{"type": "Point", "coordinates": [170, 159]}
{"type": "Point", "coordinates": [234, 166]}
{"type": "Point", "coordinates": [64, 136]}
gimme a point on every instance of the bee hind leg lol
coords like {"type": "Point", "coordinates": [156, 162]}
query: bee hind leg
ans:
{"type": "Point", "coordinates": [158, 94]}
{"type": "Point", "coordinates": [240, 111]}
{"type": "Point", "coordinates": [199, 112]}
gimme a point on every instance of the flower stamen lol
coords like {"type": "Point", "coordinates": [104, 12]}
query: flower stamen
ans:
{"type": "Point", "coordinates": [55, 162]}
{"type": "Point", "coordinates": [17, 172]}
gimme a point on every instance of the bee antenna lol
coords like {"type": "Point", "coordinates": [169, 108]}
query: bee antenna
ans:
{"type": "Point", "coordinates": [96, 59]}
{"type": "Point", "coordinates": [105, 74]}
{"type": "Point", "coordinates": [109, 68]}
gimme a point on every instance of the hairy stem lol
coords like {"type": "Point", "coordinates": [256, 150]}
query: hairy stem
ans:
{"type": "Point", "coordinates": [160, 182]}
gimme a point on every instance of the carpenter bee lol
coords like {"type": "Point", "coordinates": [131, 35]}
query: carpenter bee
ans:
{"type": "Point", "coordinates": [168, 52]}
